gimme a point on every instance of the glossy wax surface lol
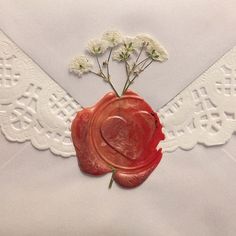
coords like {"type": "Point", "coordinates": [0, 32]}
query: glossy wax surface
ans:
{"type": "Point", "coordinates": [118, 134]}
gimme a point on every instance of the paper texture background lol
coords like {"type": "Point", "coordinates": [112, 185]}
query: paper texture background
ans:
{"type": "Point", "coordinates": [190, 193]}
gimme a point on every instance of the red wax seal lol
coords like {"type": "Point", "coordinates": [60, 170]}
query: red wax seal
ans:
{"type": "Point", "coordinates": [119, 135]}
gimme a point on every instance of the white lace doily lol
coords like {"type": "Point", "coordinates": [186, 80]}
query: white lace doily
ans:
{"type": "Point", "coordinates": [32, 106]}
{"type": "Point", "coordinates": [205, 111]}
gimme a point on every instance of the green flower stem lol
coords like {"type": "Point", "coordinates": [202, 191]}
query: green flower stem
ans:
{"type": "Point", "coordinates": [126, 69]}
{"type": "Point", "coordinates": [124, 89]}
{"type": "Point", "coordinates": [143, 61]}
{"type": "Point", "coordinates": [139, 54]}
{"type": "Point", "coordinates": [135, 64]}
{"type": "Point", "coordinates": [112, 86]}
{"type": "Point", "coordinates": [108, 60]}
{"type": "Point", "coordinates": [128, 73]}
{"type": "Point", "coordinates": [93, 72]}
{"type": "Point", "coordinates": [129, 83]}
{"type": "Point", "coordinates": [143, 67]}
{"type": "Point", "coordinates": [108, 80]}
{"type": "Point", "coordinates": [112, 178]}
{"type": "Point", "coordinates": [127, 79]}
{"type": "Point", "coordinates": [99, 65]}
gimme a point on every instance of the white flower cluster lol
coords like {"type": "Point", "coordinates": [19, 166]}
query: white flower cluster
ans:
{"type": "Point", "coordinates": [109, 39]}
{"type": "Point", "coordinates": [80, 65]}
{"type": "Point", "coordinates": [113, 38]}
{"type": "Point", "coordinates": [123, 53]}
{"type": "Point", "coordinates": [126, 48]}
{"type": "Point", "coordinates": [152, 47]}
{"type": "Point", "coordinates": [95, 47]}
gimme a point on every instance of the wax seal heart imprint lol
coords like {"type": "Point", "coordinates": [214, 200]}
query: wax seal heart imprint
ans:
{"type": "Point", "coordinates": [120, 135]}
{"type": "Point", "coordinates": [129, 133]}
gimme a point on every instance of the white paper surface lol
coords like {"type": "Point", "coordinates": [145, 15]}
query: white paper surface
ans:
{"type": "Point", "coordinates": [190, 193]}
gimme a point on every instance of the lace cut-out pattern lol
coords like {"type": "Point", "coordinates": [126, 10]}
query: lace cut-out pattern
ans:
{"type": "Point", "coordinates": [205, 111]}
{"type": "Point", "coordinates": [32, 106]}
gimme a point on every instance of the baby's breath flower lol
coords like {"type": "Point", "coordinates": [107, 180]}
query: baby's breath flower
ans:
{"type": "Point", "coordinates": [152, 47]}
{"type": "Point", "coordinates": [113, 38]}
{"type": "Point", "coordinates": [80, 65]}
{"type": "Point", "coordinates": [130, 50]}
{"type": "Point", "coordinates": [121, 54]}
{"type": "Point", "coordinates": [97, 46]}
{"type": "Point", "coordinates": [157, 53]}
{"type": "Point", "coordinates": [130, 44]}
{"type": "Point", "coordinates": [144, 40]}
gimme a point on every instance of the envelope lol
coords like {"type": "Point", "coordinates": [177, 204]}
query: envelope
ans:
{"type": "Point", "coordinates": [190, 193]}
